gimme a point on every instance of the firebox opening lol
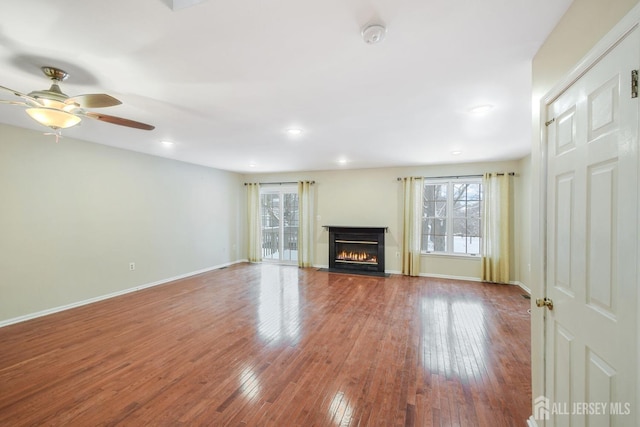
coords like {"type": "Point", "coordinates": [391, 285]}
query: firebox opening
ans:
{"type": "Point", "coordinates": [360, 253]}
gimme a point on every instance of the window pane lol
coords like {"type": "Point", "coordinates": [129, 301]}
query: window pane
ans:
{"type": "Point", "coordinates": [439, 235]}
{"type": "Point", "coordinates": [459, 192]}
{"type": "Point", "coordinates": [270, 214]}
{"type": "Point", "coordinates": [434, 218]}
{"type": "Point", "coordinates": [460, 208]}
{"type": "Point", "coordinates": [459, 227]}
{"type": "Point", "coordinates": [429, 192]}
{"type": "Point", "coordinates": [466, 245]}
{"type": "Point", "coordinates": [290, 227]}
{"type": "Point", "coordinates": [458, 204]}
{"type": "Point", "coordinates": [430, 209]}
{"type": "Point", "coordinates": [473, 227]}
{"type": "Point", "coordinates": [439, 243]}
{"type": "Point", "coordinates": [473, 209]}
{"type": "Point", "coordinates": [434, 237]}
{"type": "Point", "coordinates": [427, 227]}
{"type": "Point", "coordinates": [441, 210]}
{"type": "Point", "coordinates": [473, 191]}
{"type": "Point", "coordinates": [472, 244]}
{"type": "Point", "coordinates": [424, 239]}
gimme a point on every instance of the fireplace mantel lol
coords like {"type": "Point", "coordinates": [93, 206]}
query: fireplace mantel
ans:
{"type": "Point", "coordinates": [355, 227]}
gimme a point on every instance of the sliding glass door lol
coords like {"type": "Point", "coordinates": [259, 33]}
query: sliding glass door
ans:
{"type": "Point", "coordinates": [280, 220]}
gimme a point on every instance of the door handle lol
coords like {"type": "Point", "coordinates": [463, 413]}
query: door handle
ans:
{"type": "Point", "coordinates": [544, 302]}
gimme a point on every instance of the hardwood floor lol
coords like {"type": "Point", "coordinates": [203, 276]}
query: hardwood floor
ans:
{"type": "Point", "coordinates": [262, 345]}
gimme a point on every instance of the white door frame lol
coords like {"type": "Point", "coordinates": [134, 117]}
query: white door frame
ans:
{"type": "Point", "coordinates": [602, 47]}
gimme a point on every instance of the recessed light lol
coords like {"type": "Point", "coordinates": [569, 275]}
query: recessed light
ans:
{"type": "Point", "coordinates": [343, 161]}
{"type": "Point", "coordinates": [168, 143]}
{"type": "Point", "coordinates": [456, 153]}
{"type": "Point", "coordinates": [294, 131]}
{"type": "Point", "coordinates": [481, 109]}
{"type": "Point", "coordinates": [252, 165]}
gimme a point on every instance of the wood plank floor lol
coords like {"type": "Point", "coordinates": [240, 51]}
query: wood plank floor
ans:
{"type": "Point", "coordinates": [267, 345]}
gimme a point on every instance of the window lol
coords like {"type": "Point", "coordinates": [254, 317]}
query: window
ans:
{"type": "Point", "coordinates": [451, 217]}
{"type": "Point", "coordinates": [279, 220]}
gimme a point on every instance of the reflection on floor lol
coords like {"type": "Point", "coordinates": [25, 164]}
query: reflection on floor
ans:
{"type": "Point", "coordinates": [261, 344]}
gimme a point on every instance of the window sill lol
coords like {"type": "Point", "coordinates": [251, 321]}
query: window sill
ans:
{"type": "Point", "coordinates": [452, 256]}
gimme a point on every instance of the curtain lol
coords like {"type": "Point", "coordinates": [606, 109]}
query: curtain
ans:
{"type": "Point", "coordinates": [254, 245]}
{"type": "Point", "coordinates": [495, 228]}
{"type": "Point", "coordinates": [305, 230]}
{"type": "Point", "coordinates": [413, 189]}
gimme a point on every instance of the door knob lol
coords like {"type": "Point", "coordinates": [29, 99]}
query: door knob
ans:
{"type": "Point", "coordinates": [544, 302]}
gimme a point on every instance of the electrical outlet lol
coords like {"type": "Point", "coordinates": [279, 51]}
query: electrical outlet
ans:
{"type": "Point", "coordinates": [132, 266]}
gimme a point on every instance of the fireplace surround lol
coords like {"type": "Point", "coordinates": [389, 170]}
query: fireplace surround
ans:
{"type": "Point", "coordinates": [356, 249]}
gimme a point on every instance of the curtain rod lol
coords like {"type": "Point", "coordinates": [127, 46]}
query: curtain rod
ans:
{"type": "Point", "coordinates": [459, 176]}
{"type": "Point", "coordinates": [280, 183]}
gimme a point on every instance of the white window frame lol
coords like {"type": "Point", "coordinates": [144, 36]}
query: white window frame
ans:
{"type": "Point", "coordinates": [450, 182]}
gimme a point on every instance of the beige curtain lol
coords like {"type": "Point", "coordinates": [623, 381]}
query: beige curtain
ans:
{"type": "Point", "coordinates": [254, 243]}
{"type": "Point", "coordinates": [305, 228]}
{"type": "Point", "coordinates": [495, 227]}
{"type": "Point", "coordinates": [413, 189]}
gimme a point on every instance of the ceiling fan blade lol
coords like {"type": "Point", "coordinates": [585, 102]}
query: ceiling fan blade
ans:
{"type": "Point", "coordinates": [15, 92]}
{"type": "Point", "coordinates": [22, 104]}
{"type": "Point", "coordinates": [31, 101]}
{"type": "Point", "coordinates": [94, 100]}
{"type": "Point", "coordinates": [118, 121]}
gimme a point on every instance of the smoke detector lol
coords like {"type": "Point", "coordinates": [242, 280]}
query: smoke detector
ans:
{"type": "Point", "coordinates": [372, 34]}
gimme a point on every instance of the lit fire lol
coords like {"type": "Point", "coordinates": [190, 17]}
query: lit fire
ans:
{"type": "Point", "coordinates": [356, 256]}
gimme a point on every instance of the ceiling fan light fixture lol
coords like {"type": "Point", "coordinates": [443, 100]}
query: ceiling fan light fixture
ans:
{"type": "Point", "coordinates": [53, 118]}
{"type": "Point", "coordinates": [54, 109]}
{"type": "Point", "coordinates": [57, 105]}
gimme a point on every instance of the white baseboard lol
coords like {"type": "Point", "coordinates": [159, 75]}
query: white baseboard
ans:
{"type": "Point", "coordinates": [447, 276]}
{"type": "Point", "coordinates": [522, 285]}
{"type": "Point", "coordinates": [53, 310]}
{"type": "Point", "coordinates": [532, 422]}
{"type": "Point", "coordinates": [439, 276]}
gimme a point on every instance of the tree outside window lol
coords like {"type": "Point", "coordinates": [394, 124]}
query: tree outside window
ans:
{"type": "Point", "coordinates": [451, 217]}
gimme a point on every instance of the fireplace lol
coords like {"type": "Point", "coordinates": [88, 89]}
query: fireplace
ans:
{"type": "Point", "coordinates": [356, 249]}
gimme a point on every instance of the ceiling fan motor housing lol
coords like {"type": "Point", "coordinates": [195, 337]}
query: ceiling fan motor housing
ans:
{"type": "Point", "coordinates": [55, 73]}
{"type": "Point", "coordinates": [53, 93]}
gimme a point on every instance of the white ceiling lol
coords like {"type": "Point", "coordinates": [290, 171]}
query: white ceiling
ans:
{"type": "Point", "coordinates": [224, 79]}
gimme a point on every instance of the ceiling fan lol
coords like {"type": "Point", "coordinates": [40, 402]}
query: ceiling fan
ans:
{"type": "Point", "coordinates": [53, 108]}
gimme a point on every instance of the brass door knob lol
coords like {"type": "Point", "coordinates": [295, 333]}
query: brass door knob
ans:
{"type": "Point", "coordinates": [544, 302]}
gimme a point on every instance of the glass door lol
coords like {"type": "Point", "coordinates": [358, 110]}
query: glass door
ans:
{"type": "Point", "coordinates": [280, 220]}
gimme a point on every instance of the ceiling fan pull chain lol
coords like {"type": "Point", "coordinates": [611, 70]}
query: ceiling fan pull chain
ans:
{"type": "Point", "coordinates": [57, 134]}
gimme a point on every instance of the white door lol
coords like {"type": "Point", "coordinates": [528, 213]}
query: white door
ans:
{"type": "Point", "coordinates": [591, 333]}
{"type": "Point", "coordinates": [279, 220]}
